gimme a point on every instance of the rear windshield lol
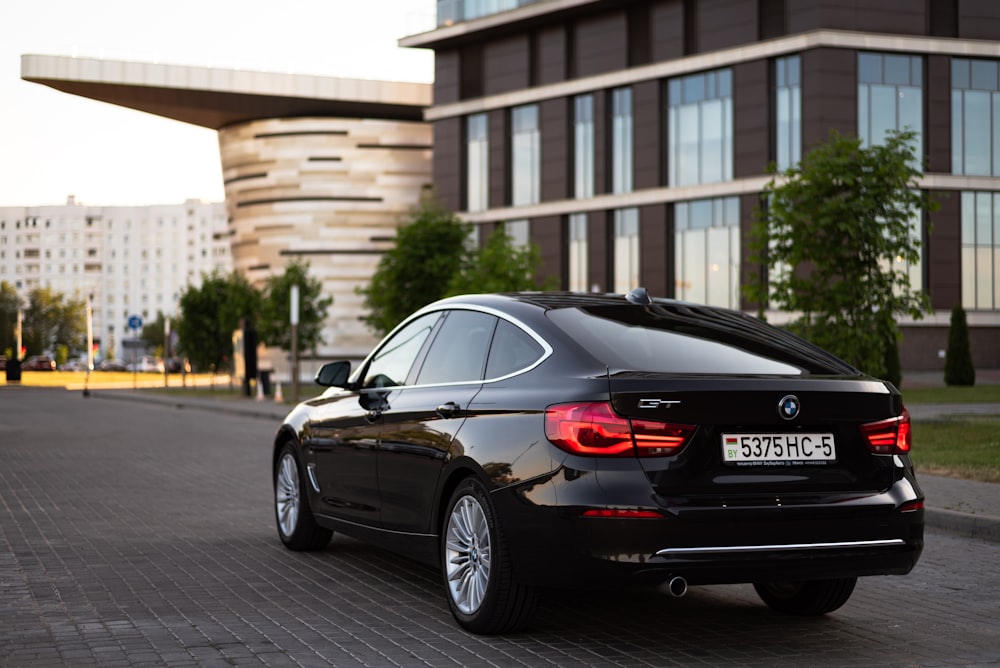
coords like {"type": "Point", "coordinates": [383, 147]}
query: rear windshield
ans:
{"type": "Point", "coordinates": [691, 339]}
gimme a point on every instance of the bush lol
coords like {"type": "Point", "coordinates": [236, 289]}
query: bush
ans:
{"type": "Point", "coordinates": [958, 369]}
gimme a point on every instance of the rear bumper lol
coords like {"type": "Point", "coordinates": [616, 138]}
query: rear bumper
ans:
{"type": "Point", "coordinates": [866, 535]}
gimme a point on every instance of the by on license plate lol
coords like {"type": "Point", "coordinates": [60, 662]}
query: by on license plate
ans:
{"type": "Point", "coordinates": [778, 449]}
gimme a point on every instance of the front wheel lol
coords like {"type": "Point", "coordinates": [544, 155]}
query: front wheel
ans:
{"type": "Point", "coordinates": [814, 597]}
{"type": "Point", "coordinates": [296, 526]}
{"type": "Point", "coordinates": [482, 593]}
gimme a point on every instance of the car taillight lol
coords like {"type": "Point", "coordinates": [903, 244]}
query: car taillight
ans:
{"type": "Point", "coordinates": [889, 437]}
{"type": "Point", "coordinates": [595, 429]}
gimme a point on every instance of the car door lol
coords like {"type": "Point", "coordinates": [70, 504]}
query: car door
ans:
{"type": "Point", "coordinates": [343, 440]}
{"type": "Point", "coordinates": [422, 419]}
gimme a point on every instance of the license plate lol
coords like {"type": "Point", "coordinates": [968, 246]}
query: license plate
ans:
{"type": "Point", "coordinates": [778, 449]}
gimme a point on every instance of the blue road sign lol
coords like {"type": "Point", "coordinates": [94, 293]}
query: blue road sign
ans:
{"type": "Point", "coordinates": [134, 322]}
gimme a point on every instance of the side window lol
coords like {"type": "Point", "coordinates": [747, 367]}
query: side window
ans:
{"type": "Point", "coordinates": [512, 350]}
{"type": "Point", "coordinates": [458, 352]}
{"type": "Point", "coordinates": [395, 358]}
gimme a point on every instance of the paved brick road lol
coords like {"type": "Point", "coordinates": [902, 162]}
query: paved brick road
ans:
{"type": "Point", "coordinates": [135, 534]}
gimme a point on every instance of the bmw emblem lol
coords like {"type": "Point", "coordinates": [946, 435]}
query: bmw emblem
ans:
{"type": "Point", "coordinates": [788, 407]}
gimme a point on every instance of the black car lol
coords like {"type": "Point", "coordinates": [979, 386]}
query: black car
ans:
{"type": "Point", "coordinates": [549, 440]}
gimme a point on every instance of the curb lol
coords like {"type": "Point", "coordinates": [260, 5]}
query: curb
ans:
{"type": "Point", "coordinates": [266, 411]}
{"type": "Point", "coordinates": [966, 525]}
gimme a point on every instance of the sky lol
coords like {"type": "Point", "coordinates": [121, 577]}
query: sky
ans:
{"type": "Point", "coordinates": [54, 145]}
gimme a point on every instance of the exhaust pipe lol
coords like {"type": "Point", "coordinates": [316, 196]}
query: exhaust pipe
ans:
{"type": "Point", "coordinates": [677, 586]}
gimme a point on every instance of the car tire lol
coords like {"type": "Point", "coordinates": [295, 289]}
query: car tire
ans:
{"type": "Point", "coordinates": [814, 597]}
{"type": "Point", "coordinates": [297, 527]}
{"type": "Point", "coordinates": [483, 595]}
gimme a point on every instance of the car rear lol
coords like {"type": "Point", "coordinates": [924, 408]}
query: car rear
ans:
{"type": "Point", "coordinates": [762, 457]}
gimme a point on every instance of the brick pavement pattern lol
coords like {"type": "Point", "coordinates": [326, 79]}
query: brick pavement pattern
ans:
{"type": "Point", "coordinates": [136, 534]}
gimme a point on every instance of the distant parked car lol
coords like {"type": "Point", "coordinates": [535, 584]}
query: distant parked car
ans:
{"type": "Point", "coordinates": [74, 365]}
{"type": "Point", "coordinates": [39, 363]}
{"type": "Point", "coordinates": [178, 365]}
{"type": "Point", "coordinates": [111, 365]}
{"type": "Point", "coordinates": [147, 364]}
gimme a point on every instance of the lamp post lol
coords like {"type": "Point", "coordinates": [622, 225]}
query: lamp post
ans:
{"type": "Point", "coordinates": [294, 319]}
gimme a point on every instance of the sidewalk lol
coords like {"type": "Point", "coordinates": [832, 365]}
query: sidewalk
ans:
{"type": "Point", "coordinates": [963, 507]}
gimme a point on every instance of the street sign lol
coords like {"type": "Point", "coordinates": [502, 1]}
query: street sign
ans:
{"type": "Point", "coordinates": [134, 322]}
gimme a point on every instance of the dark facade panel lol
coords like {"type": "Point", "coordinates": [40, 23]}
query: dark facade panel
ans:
{"type": "Point", "coordinates": [979, 19]}
{"type": "Point", "coordinates": [506, 64]}
{"type": "Point", "coordinates": [600, 44]}
{"type": "Point", "coordinates": [938, 95]}
{"type": "Point", "coordinates": [752, 102]}
{"type": "Point", "coordinates": [547, 234]}
{"type": "Point", "coordinates": [943, 253]}
{"type": "Point", "coordinates": [654, 249]}
{"type": "Point", "coordinates": [499, 158]}
{"type": "Point", "coordinates": [446, 75]}
{"type": "Point", "coordinates": [829, 94]}
{"type": "Point", "coordinates": [749, 205]}
{"type": "Point", "coordinates": [885, 16]}
{"type": "Point", "coordinates": [725, 23]}
{"type": "Point", "coordinates": [922, 346]}
{"type": "Point", "coordinates": [551, 54]}
{"type": "Point", "coordinates": [666, 22]}
{"type": "Point", "coordinates": [646, 129]}
{"type": "Point", "coordinates": [447, 162]}
{"type": "Point", "coordinates": [554, 119]}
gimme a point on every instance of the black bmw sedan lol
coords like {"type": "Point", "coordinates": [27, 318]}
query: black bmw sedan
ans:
{"type": "Point", "coordinates": [543, 440]}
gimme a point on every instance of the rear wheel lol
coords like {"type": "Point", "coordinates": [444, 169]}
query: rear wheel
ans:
{"type": "Point", "coordinates": [482, 593]}
{"type": "Point", "coordinates": [296, 526]}
{"type": "Point", "coordinates": [814, 597]}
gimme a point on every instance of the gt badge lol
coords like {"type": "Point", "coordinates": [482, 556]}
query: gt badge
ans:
{"type": "Point", "coordinates": [656, 403]}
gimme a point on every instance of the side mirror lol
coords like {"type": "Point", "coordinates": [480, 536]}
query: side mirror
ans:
{"type": "Point", "coordinates": [334, 374]}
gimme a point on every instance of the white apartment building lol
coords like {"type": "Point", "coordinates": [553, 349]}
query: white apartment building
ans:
{"type": "Point", "coordinates": [130, 260]}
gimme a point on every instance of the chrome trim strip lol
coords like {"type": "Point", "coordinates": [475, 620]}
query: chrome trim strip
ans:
{"type": "Point", "coordinates": [846, 545]}
{"type": "Point", "coordinates": [361, 525]}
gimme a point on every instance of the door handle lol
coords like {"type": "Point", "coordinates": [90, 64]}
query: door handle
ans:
{"type": "Point", "coordinates": [448, 410]}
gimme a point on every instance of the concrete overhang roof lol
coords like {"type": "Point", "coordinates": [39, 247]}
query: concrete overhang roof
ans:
{"type": "Point", "coordinates": [215, 98]}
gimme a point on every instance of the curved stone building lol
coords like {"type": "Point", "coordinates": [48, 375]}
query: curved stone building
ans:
{"type": "Point", "coordinates": [315, 168]}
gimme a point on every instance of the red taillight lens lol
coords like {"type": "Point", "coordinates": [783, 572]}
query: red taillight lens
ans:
{"type": "Point", "coordinates": [889, 437]}
{"type": "Point", "coordinates": [595, 429]}
{"type": "Point", "coordinates": [623, 514]}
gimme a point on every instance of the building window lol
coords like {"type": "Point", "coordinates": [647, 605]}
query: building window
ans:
{"type": "Point", "coordinates": [707, 251]}
{"type": "Point", "coordinates": [975, 117]}
{"type": "Point", "coordinates": [525, 156]}
{"type": "Point", "coordinates": [981, 251]}
{"type": "Point", "coordinates": [583, 146]}
{"type": "Point", "coordinates": [579, 267]}
{"type": "Point", "coordinates": [788, 112]}
{"type": "Point", "coordinates": [700, 128]}
{"type": "Point", "coordinates": [621, 140]}
{"type": "Point", "coordinates": [519, 232]}
{"type": "Point", "coordinates": [626, 250]}
{"type": "Point", "coordinates": [478, 162]}
{"type": "Point", "coordinates": [890, 97]}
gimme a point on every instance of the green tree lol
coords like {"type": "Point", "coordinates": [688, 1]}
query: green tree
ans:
{"type": "Point", "coordinates": [429, 251]}
{"type": "Point", "coordinates": [958, 368]}
{"type": "Point", "coordinates": [154, 334]}
{"type": "Point", "coordinates": [9, 303]}
{"type": "Point", "coordinates": [835, 238]}
{"type": "Point", "coordinates": [210, 313]}
{"type": "Point", "coordinates": [499, 266]}
{"type": "Point", "coordinates": [274, 327]}
{"type": "Point", "coordinates": [51, 319]}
